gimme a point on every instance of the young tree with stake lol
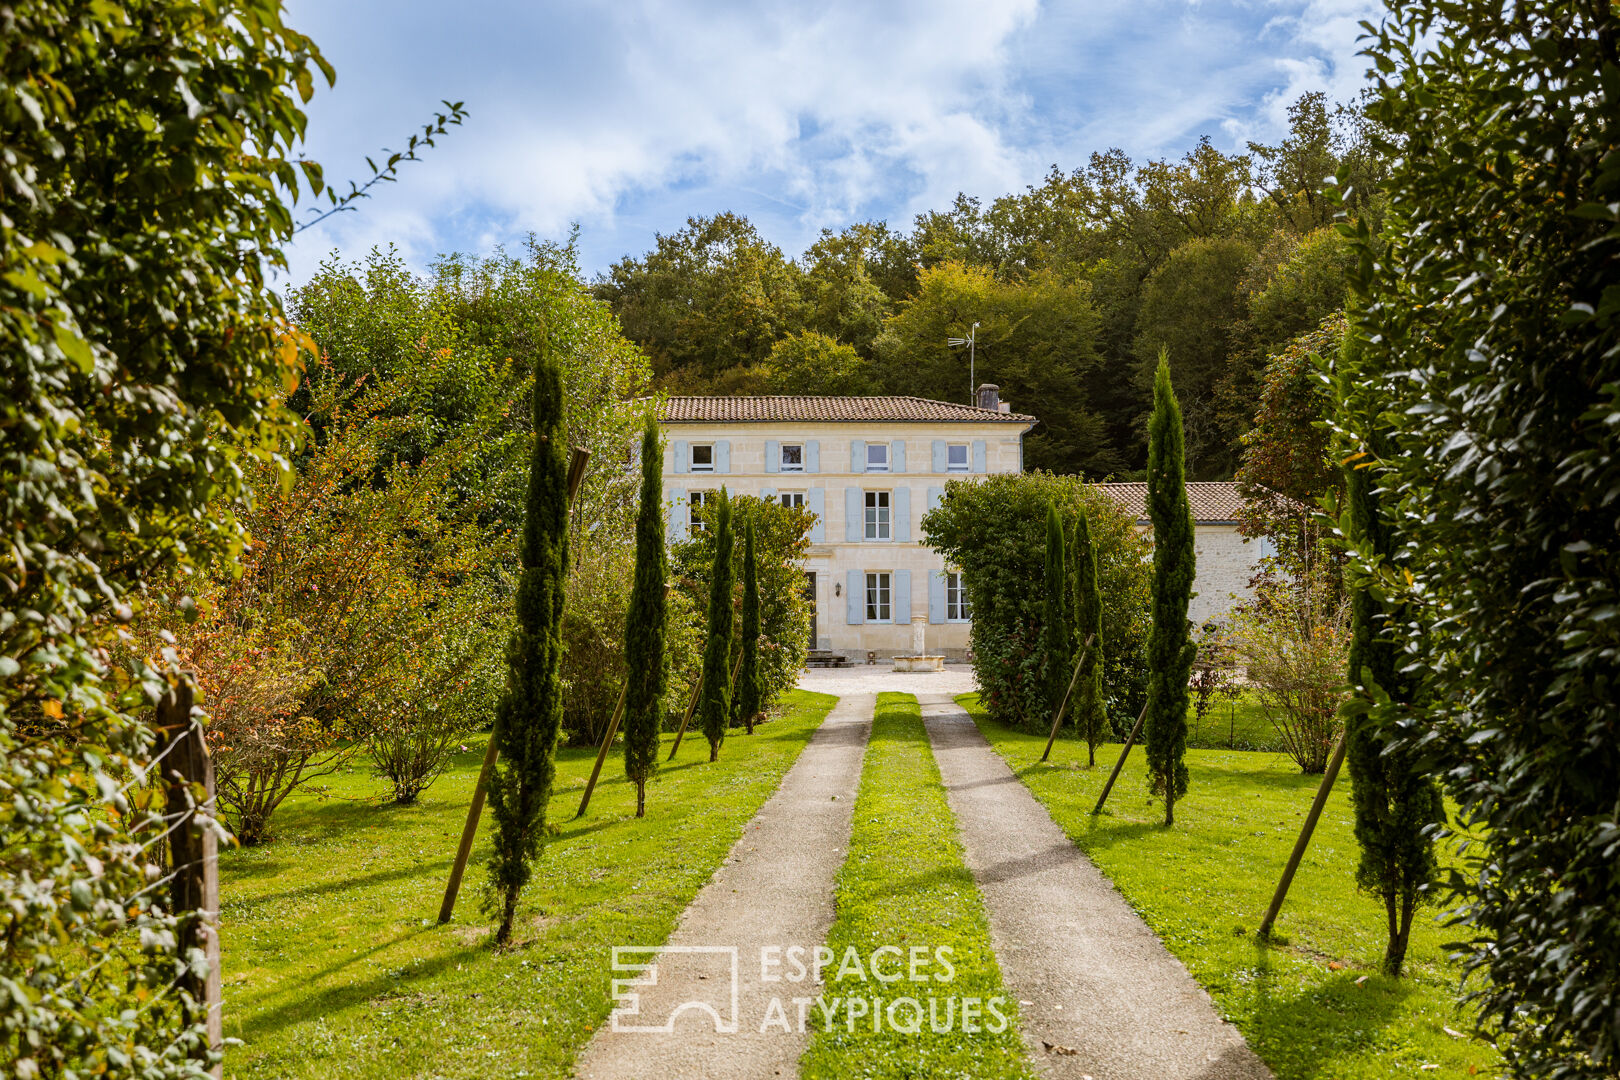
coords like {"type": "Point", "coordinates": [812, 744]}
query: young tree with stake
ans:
{"type": "Point", "coordinates": [1090, 715]}
{"type": "Point", "coordinates": [748, 692]}
{"type": "Point", "coordinates": [530, 713]}
{"type": "Point", "coordinates": [1170, 647]}
{"type": "Point", "coordinates": [714, 710]}
{"type": "Point", "coordinates": [1057, 634]}
{"type": "Point", "coordinates": [645, 625]}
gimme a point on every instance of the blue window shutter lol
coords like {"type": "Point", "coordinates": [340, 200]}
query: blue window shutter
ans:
{"type": "Point", "coordinates": [722, 456]}
{"type": "Point", "coordinates": [768, 494]}
{"type": "Point", "coordinates": [680, 457]}
{"type": "Point", "coordinates": [773, 455]}
{"type": "Point", "coordinates": [854, 518]}
{"type": "Point", "coordinates": [936, 596]}
{"type": "Point", "coordinates": [812, 456]}
{"type": "Point", "coordinates": [978, 455]}
{"type": "Point", "coordinates": [900, 599]}
{"type": "Point", "coordinates": [855, 593]}
{"type": "Point", "coordinates": [900, 503]}
{"type": "Point", "coordinates": [935, 495]}
{"type": "Point", "coordinates": [675, 526]}
{"type": "Point", "coordinates": [815, 501]}
{"type": "Point", "coordinates": [857, 455]}
{"type": "Point", "coordinates": [897, 456]}
{"type": "Point", "coordinates": [941, 463]}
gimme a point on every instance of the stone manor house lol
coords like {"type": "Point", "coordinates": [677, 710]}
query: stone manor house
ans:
{"type": "Point", "coordinates": [869, 468]}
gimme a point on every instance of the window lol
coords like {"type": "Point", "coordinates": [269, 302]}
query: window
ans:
{"type": "Point", "coordinates": [877, 597]}
{"type": "Point", "coordinates": [957, 607]}
{"type": "Point", "coordinates": [793, 500]}
{"type": "Point", "coordinates": [956, 457]}
{"type": "Point", "coordinates": [702, 458]}
{"type": "Point", "coordinates": [792, 457]}
{"type": "Point", "coordinates": [877, 457]}
{"type": "Point", "coordinates": [877, 515]}
{"type": "Point", "coordinates": [698, 500]}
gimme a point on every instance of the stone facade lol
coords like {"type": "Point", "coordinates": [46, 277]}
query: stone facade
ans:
{"type": "Point", "coordinates": [869, 469]}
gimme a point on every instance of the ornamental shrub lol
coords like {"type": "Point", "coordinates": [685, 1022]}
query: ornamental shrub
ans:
{"type": "Point", "coordinates": [747, 699]}
{"type": "Point", "coordinates": [714, 701]}
{"type": "Point", "coordinates": [994, 530]}
{"type": "Point", "coordinates": [1490, 368]}
{"type": "Point", "coordinates": [646, 625]}
{"type": "Point", "coordinates": [1090, 714]}
{"type": "Point", "coordinates": [1057, 629]}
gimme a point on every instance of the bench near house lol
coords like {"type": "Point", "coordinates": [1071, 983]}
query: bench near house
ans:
{"type": "Point", "coordinates": [868, 468]}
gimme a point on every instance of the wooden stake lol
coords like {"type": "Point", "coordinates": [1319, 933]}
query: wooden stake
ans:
{"type": "Point", "coordinates": [469, 831]}
{"type": "Point", "coordinates": [1057, 721]}
{"type": "Point", "coordinates": [193, 852]}
{"type": "Point", "coordinates": [1130, 741]}
{"type": "Point", "coordinates": [1304, 839]}
{"type": "Point", "coordinates": [691, 707]}
{"type": "Point", "coordinates": [601, 755]}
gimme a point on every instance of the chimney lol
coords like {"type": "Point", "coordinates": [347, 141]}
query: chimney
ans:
{"type": "Point", "coordinates": [990, 397]}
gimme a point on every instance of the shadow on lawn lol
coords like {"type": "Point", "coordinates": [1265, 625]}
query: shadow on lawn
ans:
{"type": "Point", "coordinates": [1312, 1026]}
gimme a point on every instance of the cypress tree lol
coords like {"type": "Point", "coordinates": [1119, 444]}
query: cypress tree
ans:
{"type": "Point", "coordinates": [1089, 715]}
{"type": "Point", "coordinates": [714, 710]}
{"type": "Point", "coordinates": [1170, 647]}
{"type": "Point", "coordinates": [645, 625]}
{"type": "Point", "coordinates": [1057, 635]}
{"type": "Point", "coordinates": [747, 692]}
{"type": "Point", "coordinates": [1395, 801]}
{"type": "Point", "coordinates": [530, 712]}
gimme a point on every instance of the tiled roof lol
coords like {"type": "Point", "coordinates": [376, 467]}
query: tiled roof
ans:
{"type": "Point", "coordinates": [1213, 502]}
{"type": "Point", "coordinates": [806, 409]}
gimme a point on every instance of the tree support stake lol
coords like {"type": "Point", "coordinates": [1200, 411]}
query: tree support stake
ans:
{"type": "Point", "coordinates": [1304, 838]}
{"type": "Point", "coordinates": [1057, 721]}
{"type": "Point", "coordinates": [1130, 741]}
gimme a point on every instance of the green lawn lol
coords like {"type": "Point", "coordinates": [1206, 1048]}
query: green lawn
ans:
{"type": "Point", "coordinates": [334, 964]}
{"type": "Point", "coordinates": [904, 885]}
{"type": "Point", "coordinates": [1312, 1007]}
{"type": "Point", "coordinates": [1233, 724]}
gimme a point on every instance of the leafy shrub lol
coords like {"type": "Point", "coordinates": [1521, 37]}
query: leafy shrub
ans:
{"type": "Point", "coordinates": [1293, 640]}
{"type": "Point", "coordinates": [994, 530]}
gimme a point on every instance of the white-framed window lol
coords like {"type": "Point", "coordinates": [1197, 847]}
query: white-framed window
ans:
{"type": "Point", "coordinates": [793, 500]}
{"type": "Point", "coordinates": [957, 606]}
{"type": "Point", "coordinates": [878, 518]}
{"type": "Point", "coordinates": [877, 597]}
{"type": "Point", "coordinates": [702, 457]}
{"type": "Point", "coordinates": [792, 457]}
{"type": "Point", "coordinates": [877, 457]}
{"type": "Point", "coordinates": [956, 457]}
{"type": "Point", "coordinates": [697, 500]}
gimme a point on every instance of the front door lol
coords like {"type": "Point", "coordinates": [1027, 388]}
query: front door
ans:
{"type": "Point", "coordinates": [810, 595]}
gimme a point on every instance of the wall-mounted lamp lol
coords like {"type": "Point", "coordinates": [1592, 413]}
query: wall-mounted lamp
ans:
{"type": "Point", "coordinates": [838, 589]}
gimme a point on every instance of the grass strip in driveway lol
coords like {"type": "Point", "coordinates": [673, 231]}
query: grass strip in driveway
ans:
{"type": "Point", "coordinates": [905, 889]}
{"type": "Point", "coordinates": [334, 965]}
{"type": "Point", "coordinates": [1312, 1007]}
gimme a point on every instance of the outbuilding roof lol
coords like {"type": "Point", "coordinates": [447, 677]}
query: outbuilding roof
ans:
{"type": "Point", "coordinates": [1213, 502]}
{"type": "Point", "coordinates": [809, 409]}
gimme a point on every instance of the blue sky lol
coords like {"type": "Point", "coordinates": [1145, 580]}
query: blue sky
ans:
{"type": "Point", "coordinates": [628, 117]}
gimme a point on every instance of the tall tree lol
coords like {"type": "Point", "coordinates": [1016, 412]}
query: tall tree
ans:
{"type": "Point", "coordinates": [645, 625]}
{"type": "Point", "coordinates": [714, 710]}
{"type": "Point", "coordinates": [530, 713]}
{"type": "Point", "coordinates": [748, 691]}
{"type": "Point", "coordinates": [1057, 632]}
{"type": "Point", "coordinates": [1170, 647]}
{"type": "Point", "coordinates": [1090, 712]}
{"type": "Point", "coordinates": [1490, 329]}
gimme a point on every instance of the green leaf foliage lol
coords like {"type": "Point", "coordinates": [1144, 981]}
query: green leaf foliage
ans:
{"type": "Point", "coordinates": [1090, 703]}
{"type": "Point", "coordinates": [645, 624]}
{"type": "Point", "coordinates": [714, 704]}
{"type": "Point", "coordinates": [530, 715]}
{"type": "Point", "coordinates": [1487, 393]}
{"type": "Point", "coordinates": [1057, 631]}
{"type": "Point", "coordinates": [994, 530]}
{"type": "Point", "coordinates": [747, 699]}
{"type": "Point", "coordinates": [1170, 649]}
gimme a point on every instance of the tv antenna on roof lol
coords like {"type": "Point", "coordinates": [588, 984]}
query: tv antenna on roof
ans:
{"type": "Point", "coordinates": [969, 341]}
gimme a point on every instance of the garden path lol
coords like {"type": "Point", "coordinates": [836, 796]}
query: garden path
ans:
{"type": "Point", "coordinates": [1099, 995]}
{"type": "Point", "coordinates": [774, 889]}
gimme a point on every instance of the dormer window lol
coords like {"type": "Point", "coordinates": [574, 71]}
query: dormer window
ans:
{"type": "Point", "coordinates": [702, 457]}
{"type": "Point", "coordinates": [877, 457]}
{"type": "Point", "coordinates": [792, 457]}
